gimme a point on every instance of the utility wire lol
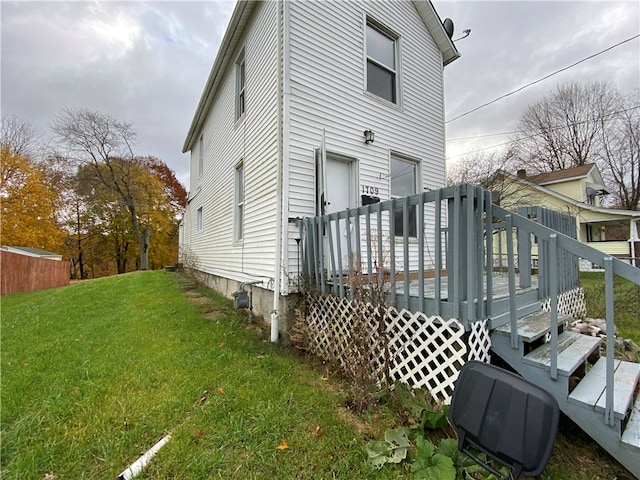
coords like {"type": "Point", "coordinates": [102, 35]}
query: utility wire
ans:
{"type": "Point", "coordinates": [552, 128]}
{"type": "Point", "coordinates": [543, 78]}
{"type": "Point", "coordinates": [532, 135]}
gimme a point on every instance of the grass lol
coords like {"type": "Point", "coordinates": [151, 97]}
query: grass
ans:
{"type": "Point", "coordinates": [95, 373]}
{"type": "Point", "coordinates": [626, 303]}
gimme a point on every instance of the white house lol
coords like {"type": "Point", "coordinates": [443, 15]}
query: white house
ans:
{"type": "Point", "coordinates": [280, 131]}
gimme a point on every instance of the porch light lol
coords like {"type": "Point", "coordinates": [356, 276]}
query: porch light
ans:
{"type": "Point", "coordinates": [369, 136]}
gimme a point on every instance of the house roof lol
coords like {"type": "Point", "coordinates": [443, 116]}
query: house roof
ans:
{"type": "Point", "coordinates": [33, 252]}
{"type": "Point", "coordinates": [238, 22]}
{"type": "Point", "coordinates": [574, 173]}
{"type": "Point", "coordinates": [609, 212]}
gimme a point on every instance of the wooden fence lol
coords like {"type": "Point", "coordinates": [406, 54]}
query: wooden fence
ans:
{"type": "Point", "coordinates": [22, 273]}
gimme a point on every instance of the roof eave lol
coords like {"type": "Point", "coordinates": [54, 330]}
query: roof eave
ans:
{"type": "Point", "coordinates": [434, 24]}
{"type": "Point", "coordinates": [242, 11]}
{"type": "Point", "coordinates": [609, 211]}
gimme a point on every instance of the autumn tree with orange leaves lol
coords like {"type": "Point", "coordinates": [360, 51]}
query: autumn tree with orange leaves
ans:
{"type": "Point", "coordinates": [28, 204]}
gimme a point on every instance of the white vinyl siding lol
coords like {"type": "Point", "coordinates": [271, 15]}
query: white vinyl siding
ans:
{"type": "Point", "coordinates": [328, 90]}
{"type": "Point", "coordinates": [254, 140]}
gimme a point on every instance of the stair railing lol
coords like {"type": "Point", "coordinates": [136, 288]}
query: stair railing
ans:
{"type": "Point", "coordinates": [552, 245]}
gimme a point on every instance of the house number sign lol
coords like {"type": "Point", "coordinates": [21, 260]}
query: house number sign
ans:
{"type": "Point", "coordinates": [368, 190]}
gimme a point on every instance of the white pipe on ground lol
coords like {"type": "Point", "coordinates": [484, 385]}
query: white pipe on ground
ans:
{"type": "Point", "coordinates": [136, 467]}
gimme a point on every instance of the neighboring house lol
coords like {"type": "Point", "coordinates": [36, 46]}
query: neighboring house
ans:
{"type": "Point", "coordinates": [310, 107]}
{"type": "Point", "coordinates": [578, 192]}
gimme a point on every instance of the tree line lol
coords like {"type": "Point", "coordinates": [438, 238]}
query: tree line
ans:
{"type": "Point", "coordinates": [87, 195]}
{"type": "Point", "coordinates": [575, 124]}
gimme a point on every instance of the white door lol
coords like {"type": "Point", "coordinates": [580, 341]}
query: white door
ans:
{"type": "Point", "coordinates": [339, 197]}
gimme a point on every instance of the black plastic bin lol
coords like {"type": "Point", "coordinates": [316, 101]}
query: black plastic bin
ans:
{"type": "Point", "coordinates": [505, 416]}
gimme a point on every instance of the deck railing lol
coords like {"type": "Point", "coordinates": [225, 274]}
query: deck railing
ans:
{"type": "Point", "coordinates": [447, 269]}
{"type": "Point", "coordinates": [448, 266]}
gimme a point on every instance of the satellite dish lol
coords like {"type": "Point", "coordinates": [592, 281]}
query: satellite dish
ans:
{"type": "Point", "coordinates": [448, 27]}
{"type": "Point", "coordinates": [591, 195]}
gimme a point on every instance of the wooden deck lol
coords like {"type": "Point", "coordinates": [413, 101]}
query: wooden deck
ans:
{"type": "Point", "coordinates": [500, 287]}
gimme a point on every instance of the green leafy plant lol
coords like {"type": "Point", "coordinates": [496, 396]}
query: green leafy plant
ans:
{"type": "Point", "coordinates": [393, 449]}
{"type": "Point", "coordinates": [430, 463]}
{"type": "Point", "coordinates": [444, 462]}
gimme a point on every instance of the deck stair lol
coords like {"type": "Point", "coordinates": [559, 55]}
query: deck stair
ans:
{"type": "Point", "coordinates": [580, 381]}
{"type": "Point", "coordinates": [475, 263]}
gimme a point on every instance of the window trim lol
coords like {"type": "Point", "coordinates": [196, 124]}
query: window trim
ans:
{"type": "Point", "coordinates": [416, 188]}
{"type": "Point", "coordinates": [396, 70]}
{"type": "Point", "coordinates": [241, 85]}
{"type": "Point", "coordinates": [238, 202]}
{"type": "Point", "coordinates": [199, 220]}
{"type": "Point", "coordinates": [201, 156]}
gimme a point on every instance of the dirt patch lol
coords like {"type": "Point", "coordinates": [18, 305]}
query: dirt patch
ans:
{"type": "Point", "coordinates": [362, 428]}
{"type": "Point", "coordinates": [213, 314]}
{"type": "Point", "coordinates": [193, 293]}
{"type": "Point", "coordinates": [199, 300]}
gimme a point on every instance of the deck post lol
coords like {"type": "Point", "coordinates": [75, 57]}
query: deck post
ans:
{"type": "Point", "coordinates": [456, 264]}
{"type": "Point", "coordinates": [609, 305]}
{"type": "Point", "coordinates": [524, 253]}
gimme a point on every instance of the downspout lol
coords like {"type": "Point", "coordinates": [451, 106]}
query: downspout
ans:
{"type": "Point", "coordinates": [280, 228]}
{"type": "Point", "coordinates": [286, 141]}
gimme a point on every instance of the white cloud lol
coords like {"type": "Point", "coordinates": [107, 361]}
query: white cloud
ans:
{"type": "Point", "coordinates": [147, 62]}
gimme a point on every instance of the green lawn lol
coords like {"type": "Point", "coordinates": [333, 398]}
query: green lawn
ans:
{"type": "Point", "coordinates": [626, 302]}
{"type": "Point", "coordinates": [94, 374]}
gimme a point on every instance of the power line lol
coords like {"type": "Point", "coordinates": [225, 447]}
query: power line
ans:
{"type": "Point", "coordinates": [543, 78]}
{"type": "Point", "coordinates": [532, 135]}
{"type": "Point", "coordinates": [500, 134]}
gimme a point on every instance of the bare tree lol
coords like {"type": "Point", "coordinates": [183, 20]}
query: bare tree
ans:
{"type": "Point", "coordinates": [564, 129]}
{"type": "Point", "coordinates": [105, 145]}
{"type": "Point", "coordinates": [620, 156]}
{"type": "Point", "coordinates": [485, 169]}
{"type": "Point", "coordinates": [20, 137]}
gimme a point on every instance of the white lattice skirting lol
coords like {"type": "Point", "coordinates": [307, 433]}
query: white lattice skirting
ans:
{"type": "Point", "coordinates": [423, 352]}
{"type": "Point", "coordinates": [571, 302]}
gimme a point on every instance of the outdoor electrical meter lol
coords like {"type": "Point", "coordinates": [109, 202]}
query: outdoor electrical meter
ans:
{"type": "Point", "coordinates": [241, 299]}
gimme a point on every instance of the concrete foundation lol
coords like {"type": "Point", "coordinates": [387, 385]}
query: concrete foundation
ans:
{"type": "Point", "coordinates": [262, 302]}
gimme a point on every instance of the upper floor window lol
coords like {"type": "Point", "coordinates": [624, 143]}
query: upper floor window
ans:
{"type": "Point", "coordinates": [404, 178]}
{"type": "Point", "coordinates": [199, 221]}
{"type": "Point", "coordinates": [240, 86]}
{"type": "Point", "coordinates": [382, 63]}
{"type": "Point", "coordinates": [200, 156]}
{"type": "Point", "coordinates": [238, 216]}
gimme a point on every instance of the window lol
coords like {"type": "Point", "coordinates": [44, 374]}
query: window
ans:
{"type": "Point", "coordinates": [239, 203]}
{"type": "Point", "coordinates": [404, 174]}
{"type": "Point", "coordinates": [199, 225]}
{"type": "Point", "coordinates": [200, 157]}
{"type": "Point", "coordinates": [240, 86]}
{"type": "Point", "coordinates": [381, 62]}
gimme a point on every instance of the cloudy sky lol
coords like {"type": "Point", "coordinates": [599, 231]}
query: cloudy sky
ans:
{"type": "Point", "coordinates": [147, 62]}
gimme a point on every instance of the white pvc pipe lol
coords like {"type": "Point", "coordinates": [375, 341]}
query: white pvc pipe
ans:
{"type": "Point", "coordinates": [136, 467]}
